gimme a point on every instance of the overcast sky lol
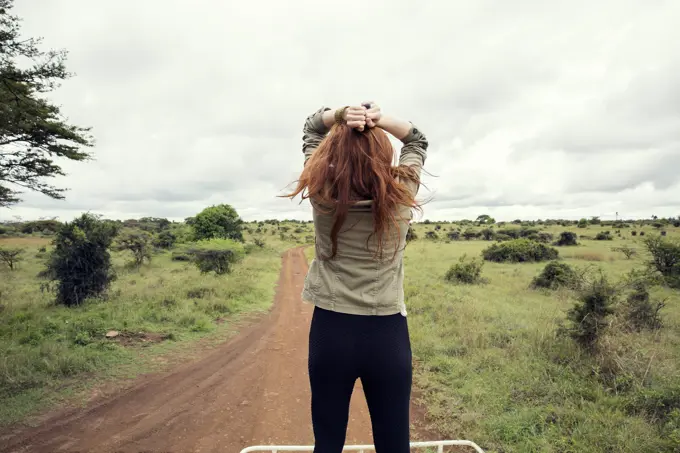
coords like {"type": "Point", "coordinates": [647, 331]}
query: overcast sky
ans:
{"type": "Point", "coordinates": [533, 109]}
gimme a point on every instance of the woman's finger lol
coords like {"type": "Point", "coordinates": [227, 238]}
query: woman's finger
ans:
{"type": "Point", "coordinates": [356, 117]}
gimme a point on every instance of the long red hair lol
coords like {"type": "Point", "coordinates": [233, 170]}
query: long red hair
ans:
{"type": "Point", "coordinates": [351, 166]}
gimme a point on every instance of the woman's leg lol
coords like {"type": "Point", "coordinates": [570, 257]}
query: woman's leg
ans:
{"type": "Point", "coordinates": [332, 374]}
{"type": "Point", "coordinates": [386, 376]}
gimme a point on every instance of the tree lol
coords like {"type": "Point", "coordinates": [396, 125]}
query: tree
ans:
{"type": "Point", "coordinates": [221, 221]}
{"type": "Point", "coordinates": [32, 130]}
{"type": "Point", "coordinates": [11, 257]}
{"type": "Point", "coordinates": [139, 243]}
{"type": "Point", "coordinates": [486, 219]}
{"type": "Point", "coordinates": [81, 261]}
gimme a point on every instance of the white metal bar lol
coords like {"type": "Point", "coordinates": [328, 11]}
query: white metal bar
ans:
{"type": "Point", "coordinates": [440, 444]}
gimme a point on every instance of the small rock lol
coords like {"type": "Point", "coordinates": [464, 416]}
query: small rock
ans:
{"type": "Point", "coordinates": [111, 334]}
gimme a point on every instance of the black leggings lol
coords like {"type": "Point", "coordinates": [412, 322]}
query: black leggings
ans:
{"type": "Point", "coordinates": [375, 349]}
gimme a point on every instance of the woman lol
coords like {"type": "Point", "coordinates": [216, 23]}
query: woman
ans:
{"type": "Point", "coordinates": [362, 205]}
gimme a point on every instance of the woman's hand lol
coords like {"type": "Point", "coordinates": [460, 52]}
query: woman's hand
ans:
{"type": "Point", "coordinates": [373, 113]}
{"type": "Point", "coordinates": [355, 117]}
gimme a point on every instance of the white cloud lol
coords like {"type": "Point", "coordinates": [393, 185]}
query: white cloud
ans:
{"type": "Point", "coordinates": [533, 109]}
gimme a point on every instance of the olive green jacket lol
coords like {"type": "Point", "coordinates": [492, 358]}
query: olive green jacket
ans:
{"type": "Point", "coordinates": [355, 281]}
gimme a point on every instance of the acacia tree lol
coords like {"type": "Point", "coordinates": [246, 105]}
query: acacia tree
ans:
{"type": "Point", "coordinates": [32, 130]}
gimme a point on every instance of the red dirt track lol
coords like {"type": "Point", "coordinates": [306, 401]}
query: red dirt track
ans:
{"type": "Point", "coordinates": [252, 390]}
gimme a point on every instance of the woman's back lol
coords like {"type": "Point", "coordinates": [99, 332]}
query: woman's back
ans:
{"type": "Point", "coordinates": [358, 267]}
{"type": "Point", "coordinates": [356, 280]}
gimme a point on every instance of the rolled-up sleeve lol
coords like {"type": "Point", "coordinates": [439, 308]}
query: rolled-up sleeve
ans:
{"type": "Point", "coordinates": [413, 154]}
{"type": "Point", "coordinates": [313, 132]}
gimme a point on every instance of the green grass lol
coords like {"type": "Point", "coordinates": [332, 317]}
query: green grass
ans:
{"type": "Point", "coordinates": [48, 353]}
{"type": "Point", "coordinates": [492, 369]}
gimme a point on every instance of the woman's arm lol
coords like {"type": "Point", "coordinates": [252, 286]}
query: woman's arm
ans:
{"type": "Point", "coordinates": [320, 122]}
{"type": "Point", "coordinates": [395, 126]}
{"type": "Point", "coordinates": [414, 149]}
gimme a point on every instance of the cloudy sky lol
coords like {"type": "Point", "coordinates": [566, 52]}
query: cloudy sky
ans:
{"type": "Point", "coordinates": [533, 109]}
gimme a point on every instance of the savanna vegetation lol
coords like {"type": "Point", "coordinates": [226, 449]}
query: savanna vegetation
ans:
{"type": "Point", "coordinates": [568, 344]}
{"type": "Point", "coordinates": [95, 299]}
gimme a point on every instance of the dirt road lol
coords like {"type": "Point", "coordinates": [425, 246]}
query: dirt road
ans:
{"type": "Point", "coordinates": [252, 390]}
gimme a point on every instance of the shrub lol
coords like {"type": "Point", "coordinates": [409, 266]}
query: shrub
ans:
{"type": "Point", "coordinates": [11, 257]}
{"type": "Point", "coordinates": [180, 256]}
{"type": "Point", "coordinates": [663, 233]}
{"type": "Point", "coordinates": [633, 233]}
{"type": "Point", "coordinates": [629, 252]}
{"type": "Point", "coordinates": [588, 317]}
{"type": "Point", "coordinates": [259, 243]}
{"type": "Point", "coordinates": [642, 233]}
{"type": "Point", "coordinates": [567, 238]}
{"type": "Point", "coordinates": [80, 261]}
{"type": "Point", "coordinates": [165, 240]}
{"type": "Point", "coordinates": [431, 235]}
{"type": "Point", "coordinates": [502, 237]}
{"type": "Point", "coordinates": [453, 235]}
{"type": "Point", "coordinates": [603, 236]}
{"type": "Point", "coordinates": [218, 222]}
{"type": "Point", "coordinates": [411, 234]}
{"type": "Point", "coordinates": [544, 237]}
{"type": "Point", "coordinates": [217, 255]}
{"type": "Point", "coordinates": [556, 275]}
{"type": "Point", "coordinates": [643, 313]}
{"type": "Point", "coordinates": [665, 258]}
{"type": "Point", "coordinates": [519, 250]}
{"type": "Point", "coordinates": [470, 234]}
{"type": "Point", "coordinates": [488, 234]}
{"type": "Point", "coordinates": [467, 271]}
{"type": "Point", "coordinates": [139, 243]}
{"type": "Point", "coordinates": [583, 223]}
{"type": "Point", "coordinates": [513, 233]}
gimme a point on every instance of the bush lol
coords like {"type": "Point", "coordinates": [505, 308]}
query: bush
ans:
{"type": "Point", "coordinates": [544, 237]}
{"type": "Point", "coordinates": [166, 239]}
{"type": "Point", "coordinates": [80, 261]}
{"type": "Point", "coordinates": [583, 223]}
{"type": "Point", "coordinates": [11, 257]}
{"type": "Point", "coordinates": [453, 235]}
{"type": "Point", "coordinates": [180, 256]}
{"type": "Point", "coordinates": [488, 234]}
{"type": "Point", "coordinates": [470, 234]}
{"type": "Point", "coordinates": [259, 243]}
{"type": "Point", "coordinates": [588, 316]}
{"type": "Point", "coordinates": [139, 243]}
{"type": "Point", "coordinates": [217, 255]}
{"type": "Point", "coordinates": [556, 275]}
{"type": "Point", "coordinates": [431, 235]}
{"type": "Point", "coordinates": [633, 233]}
{"type": "Point", "coordinates": [629, 252]}
{"type": "Point", "coordinates": [467, 271]}
{"type": "Point", "coordinates": [643, 313]}
{"type": "Point", "coordinates": [567, 238]}
{"type": "Point", "coordinates": [218, 222]}
{"type": "Point", "coordinates": [411, 234]}
{"type": "Point", "coordinates": [665, 258]}
{"type": "Point", "coordinates": [603, 236]}
{"type": "Point", "coordinates": [519, 250]}
{"type": "Point", "coordinates": [513, 233]}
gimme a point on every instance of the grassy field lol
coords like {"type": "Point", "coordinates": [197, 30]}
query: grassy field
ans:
{"type": "Point", "coordinates": [489, 362]}
{"type": "Point", "coordinates": [492, 367]}
{"type": "Point", "coordinates": [50, 352]}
